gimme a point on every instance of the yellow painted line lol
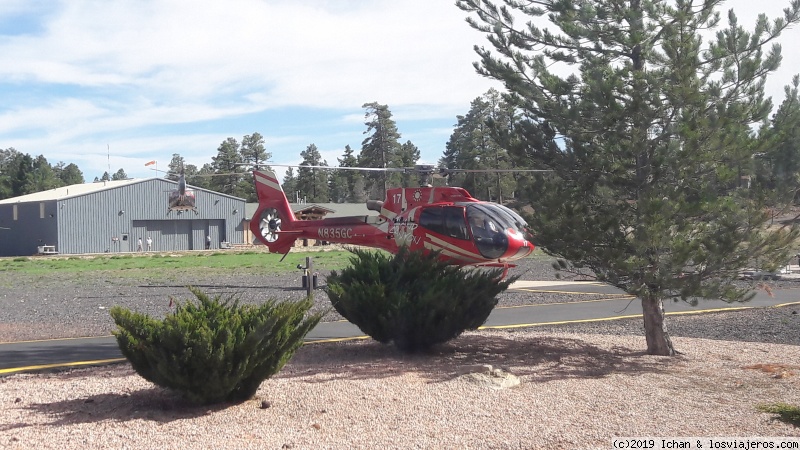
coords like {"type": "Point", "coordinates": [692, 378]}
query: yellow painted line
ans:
{"type": "Point", "coordinates": [523, 325]}
{"type": "Point", "coordinates": [331, 340]}
{"type": "Point", "coordinates": [519, 284]}
{"type": "Point", "coordinates": [784, 304]}
{"type": "Point", "coordinates": [543, 291]}
{"type": "Point", "coordinates": [56, 366]}
{"type": "Point", "coordinates": [629, 297]}
{"type": "Point", "coordinates": [33, 341]}
{"type": "Point", "coordinates": [605, 319]}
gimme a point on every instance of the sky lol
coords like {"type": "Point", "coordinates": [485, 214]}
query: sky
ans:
{"type": "Point", "coordinates": [109, 85]}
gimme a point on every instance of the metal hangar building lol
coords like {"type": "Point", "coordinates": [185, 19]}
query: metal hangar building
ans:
{"type": "Point", "coordinates": [111, 216]}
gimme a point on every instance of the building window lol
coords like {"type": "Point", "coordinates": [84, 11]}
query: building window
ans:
{"type": "Point", "coordinates": [41, 210]}
{"type": "Point", "coordinates": [15, 212]}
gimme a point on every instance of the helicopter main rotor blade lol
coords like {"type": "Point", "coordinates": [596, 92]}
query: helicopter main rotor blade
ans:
{"type": "Point", "coordinates": [422, 169]}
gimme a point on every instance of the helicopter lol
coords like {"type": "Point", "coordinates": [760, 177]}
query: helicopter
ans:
{"type": "Point", "coordinates": [464, 231]}
{"type": "Point", "coordinates": [181, 199]}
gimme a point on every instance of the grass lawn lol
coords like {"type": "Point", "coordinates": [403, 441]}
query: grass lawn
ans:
{"type": "Point", "coordinates": [155, 265]}
{"type": "Point", "coordinates": [174, 265]}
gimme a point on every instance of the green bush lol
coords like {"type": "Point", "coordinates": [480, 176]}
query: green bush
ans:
{"type": "Point", "coordinates": [216, 350]}
{"type": "Point", "coordinates": [413, 300]}
{"type": "Point", "coordinates": [786, 413]}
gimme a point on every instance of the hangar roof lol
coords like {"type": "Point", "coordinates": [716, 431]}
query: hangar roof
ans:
{"type": "Point", "coordinates": [72, 190]}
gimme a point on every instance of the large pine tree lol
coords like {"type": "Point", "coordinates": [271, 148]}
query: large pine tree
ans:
{"type": "Point", "coordinates": [353, 179]}
{"type": "Point", "coordinates": [228, 172]}
{"type": "Point", "coordinates": [379, 149]}
{"type": "Point", "coordinates": [174, 168]}
{"type": "Point", "coordinates": [782, 145]}
{"type": "Point", "coordinates": [312, 182]}
{"type": "Point", "coordinates": [645, 140]}
{"type": "Point", "coordinates": [475, 145]}
{"type": "Point", "coordinates": [254, 155]}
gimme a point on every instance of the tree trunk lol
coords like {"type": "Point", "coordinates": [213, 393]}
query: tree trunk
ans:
{"type": "Point", "coordinates": [658, 341]}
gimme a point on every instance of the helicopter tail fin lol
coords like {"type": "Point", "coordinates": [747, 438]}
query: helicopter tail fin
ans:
{"type": "Point", "coordinates": [272, 222]}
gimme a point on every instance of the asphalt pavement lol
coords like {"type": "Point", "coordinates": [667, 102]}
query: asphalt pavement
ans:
{"type": "Point", "coordinates": [611, 304]}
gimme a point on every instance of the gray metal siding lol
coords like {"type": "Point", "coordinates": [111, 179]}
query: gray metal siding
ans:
{"type": "Point", "coordinates": [21, 237]}
{"type": "Point", "coordinates": [96, 222]}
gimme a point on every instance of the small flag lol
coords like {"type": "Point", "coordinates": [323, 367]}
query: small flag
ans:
{"type": "Point", "coordinates": [150, 163]}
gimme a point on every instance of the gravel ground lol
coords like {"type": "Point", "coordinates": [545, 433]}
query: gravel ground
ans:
{"type": "Point", "coordinates": [70, 305]}
{"type": "Point", "coordinates": [575, 391]}
{"type": "Point", "coordinates": [76, 305]}
{"type": "Point", "coordinates": [581, 385]}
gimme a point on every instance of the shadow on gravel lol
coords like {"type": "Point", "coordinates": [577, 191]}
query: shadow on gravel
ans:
{"type": "Point", "coordinates": [154, 404]}
{"type": "Point", "coordinates": [538, 359]}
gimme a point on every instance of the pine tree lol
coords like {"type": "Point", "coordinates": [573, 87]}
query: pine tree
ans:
{"type": "Point", "coordinates": [199, 178]}
{"type": "Point", "coordinates": [119, 175]}
{"type": "Point", "coordinates": [228, 172]}
{"type": "Point", "coordinates": [408, 156]}
{"type": "Point", "coordinates": [353, 178]}
{"type": "Point", "coordinates": [380, 148]}
{"type": "Point", "coordinates": [645, 184]}
{"type": "Point", "coordinates": [289, 185]}
{"type": "Point", "coordinates": [68, 173]}
{"type": "Point", "coordinates": [254, 155]}
{"type": "Point", "coordinates": [7, 158]}
{"type": "Point", "coordinates": [43, 177]}
{"type": "Point", "coordinates": [474, 145]}
{"type": "Point", "coordinates": [312, 182]}
{"type": "Point", "coordinates": [174, 168]}
{"type": "Point", "coordinates": [337, 186]}
{"type": "Point", "coordinates": [782, 143]}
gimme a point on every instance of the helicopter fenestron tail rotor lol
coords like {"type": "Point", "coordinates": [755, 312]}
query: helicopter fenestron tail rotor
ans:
{"type": "Point", "coordinates": [270, 224]}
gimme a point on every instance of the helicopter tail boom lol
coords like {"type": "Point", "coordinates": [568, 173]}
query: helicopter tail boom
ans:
{"type": "Point", "coordinates": [272, 222]}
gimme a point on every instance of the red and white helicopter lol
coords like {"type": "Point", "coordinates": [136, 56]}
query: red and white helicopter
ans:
{"type": "Point", "coordinates": [182, 198]}
{"type": "Point", "coordinates": [463, 229]}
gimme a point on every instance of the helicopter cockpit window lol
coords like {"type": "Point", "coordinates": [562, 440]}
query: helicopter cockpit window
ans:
{"type": "Point", "coordinates": [488, 225]}
{"type": "Point", "coordinates": [447, 221]}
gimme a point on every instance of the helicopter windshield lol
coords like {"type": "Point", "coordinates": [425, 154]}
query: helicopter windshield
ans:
{"type": "Point", "coordinates": [488, 223]}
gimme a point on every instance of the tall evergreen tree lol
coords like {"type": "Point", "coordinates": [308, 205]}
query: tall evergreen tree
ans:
{"type": "Point", "coordinates": [7, 170]}
{"type": "Point", "coordinates": [254, 151]}
{"type": "Point", "coordinates": [289, 185]}
{"type": "Point", "coordinates": [354, 179]}
{"type": "Point", "coordinates": [42, 177]}
{"type": "Point", "coordinates": [199, 178]}
{"type": "Point", "coordinates": [174, 167]}
{"type": "Point", "coordinates": [380, 148]}
{"type": "Point", "coordinates": [255, 154]}
{"type": "Point", "coordinates": [21, 174]}
{"type": "Point", "coordinates": [408, 156]}
{"type": "Point", "coordinates": [228, 172]}
{"type": "Point", "coordinates": [782, 143]}
{"type": "Point", "coordinates": [474, 145]}
{"type": "Point", "coordinates": [337, 186]}
{"type": "Point", "coordinates": [312, 183]}
{"type": "Point", "coordinates": [68, 174]}
{"type": "Point", "coordinates": [104, 177]}
{"type": "Point", "coordinates": [119, 175]}
{"type": "Point", "coordinates": [644, 189]}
